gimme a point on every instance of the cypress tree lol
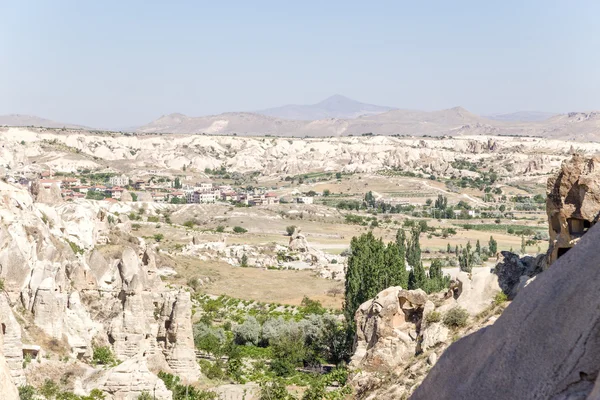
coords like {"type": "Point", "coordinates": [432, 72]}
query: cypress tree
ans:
{"type": "Point", "coordinates": [478, 247]}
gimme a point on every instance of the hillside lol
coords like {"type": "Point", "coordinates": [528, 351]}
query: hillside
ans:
{"type": "Point", "coordinates": [336, 106]}
{"type": "Point", "coordinates": [32, 120]}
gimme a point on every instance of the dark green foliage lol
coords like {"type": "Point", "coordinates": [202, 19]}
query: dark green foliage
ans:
{"type": "Point", "coordinates": [312, 306]}
{"type": "Point", "coordinates": [94, 195]}
{"type": "Point", "coordinates": [288, 353]}
{"type": "Point", "coordinates": [27, 392]}
{"type": "Point", "coordinates": [493, 246]}
{"type": "Point", "coordinates": [290, 229]}
{"type": "Point", "coordinates": [456, 317]}
{"type": "Point", "coordinates": [239, 229]}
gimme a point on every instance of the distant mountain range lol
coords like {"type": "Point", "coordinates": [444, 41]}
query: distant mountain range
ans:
{"type": "Point", "coordinates": [32, 120]}
{"type": "Point", "coordinates": [371, 119]}
{"type": "Point", "coordinates": [336, 106]}
{"type": "Point", "coordinates": [523, 116]}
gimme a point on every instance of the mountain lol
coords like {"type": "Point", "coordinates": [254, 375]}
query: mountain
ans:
{"type": "Point", "coordinates": [32, 120]}
{"type": "Point", "coordinates": [336, 106]}
{"type": "Point", "coordinates": [523, 116]}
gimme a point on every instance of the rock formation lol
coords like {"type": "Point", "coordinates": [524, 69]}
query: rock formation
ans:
{"type": "Point", "coordinates": [544, 346]}
{"type": "Point", "coordinates": [128, 380]}
{"type": "Point", "coordinates": [513, 271]}
{"type": "Point", "coordinates": [298, 241]}
{"type": "Point", "coordinates": [109, 295]}
{"type": "Point", "coordinates": [391, 327]}
{"type": "Point", "coordinates": [573, 203]}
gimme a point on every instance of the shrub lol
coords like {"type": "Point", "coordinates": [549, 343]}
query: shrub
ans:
{"type": "Point", "coordinates": [189, 224]}
{"type": "Point", "coordinates": [290, 230]}
{"type": "Point", "coordinates": [456, 317]}
{"type": "Point", "coordinates": [135, 227]}
{"type": "Point", "coordinates": [76, 249]}
{"type": "Point", "coordinates": [27, 392]}
{"type": "Point", "coordinates": [145, 396]}
{"type": "Point", "coordinates": [239, 229]}
{"type": "Point", "coordinates": [158, 237]}
{"type": "Point", "coordinates": [500, 298]}
{"type": "Point", "coordinates": [220, 229]}
{"type": "Point", "coordinates": [248, 332]}
{"type": "Point", "coordinates": [153, 219]}
{"type": "Point", "coordinates": [103, 355]}
{"type": "Point", "coordinates": [49, 389]}
{"type": "Point", "coordinates": [433, 316]}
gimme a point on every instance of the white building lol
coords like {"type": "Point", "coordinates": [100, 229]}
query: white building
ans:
{"type": "Point", "coordinates": [304, 200]}
{"type": "Point", "coordinates": [122, 180]}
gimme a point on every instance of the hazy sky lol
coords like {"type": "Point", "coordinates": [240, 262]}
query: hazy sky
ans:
{"type": "Point", "coordinates": [113, 64]}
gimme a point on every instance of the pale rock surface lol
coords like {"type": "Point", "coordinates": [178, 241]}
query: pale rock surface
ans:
{"type": "Point", "coordinates": [544, 346]}
{"type": "Point", "coordinates": [572, 202]}
{"type": "Point", "coordinates": [389, 326]}
{"type": "Point", "coordinates": [128, 380]}
{"type": "Point", "coordinates": [8, 389]}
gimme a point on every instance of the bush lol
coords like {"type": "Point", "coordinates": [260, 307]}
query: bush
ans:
{"type": "Point", "coordinates": [456, 317]}
{"type": "Point", "coordinates": [27, 392]}
{"type": "Point", "coordinates": [433, 316]}
{"type": "Point", "coordinates": [248, 332]}
{"type": "Point", "coordinates": [145, 396]}
{"type": "Point", "coordinates": [158, 237]}
{"type": "Point", "coordinates": [220, 229]}
{"type": "Point", "coordinates": [189, 224]}
{"type": "Point", "coordinates": [103, 355]}
{"type": "Point", "coordinates": [239, 229]}
{"type": "Point", "coordinates": [153, 219]}
{"type": "Point", "coordinates": [500, 298]}
{"type": "Point", "coordinates": [290, 230]}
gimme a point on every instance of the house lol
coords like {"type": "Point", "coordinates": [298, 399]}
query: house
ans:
{"type": "Point", "coordinates": [204, 187]}
{"type": "Point", "coordinates": [114, 192]}
{"type": "Point", "coordinates": [271, 198]}
{"type": "Point", "coordinates": [98, 188]}
{"type": "Point", "coordinates": [70, 182]}
{"type": "Point", "coordinates": [304, 200]}
{"type": "Point", "coordinates": [159, 197]}
{"type": "Point", "coordinates": [122, 180]}
{"type": "Point", "coordinates": [200, 197]}
{"type": "Point", "coordinates": [228, 195]}
{"type": "Point", "coordinates": [47, 174]}
{"type": "Point", "coordinates": [47, 183]}
{"type": "Point", "coordinates": [139, 185]}
{"type": "Point", "coordinates": [82, 189]}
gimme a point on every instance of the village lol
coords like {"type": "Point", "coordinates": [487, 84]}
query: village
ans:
{"type": "Point", "coordinates": [113, 188]}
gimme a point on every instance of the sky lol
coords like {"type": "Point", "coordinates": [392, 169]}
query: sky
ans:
{"type": "Point", "coordinates": [117, 64]}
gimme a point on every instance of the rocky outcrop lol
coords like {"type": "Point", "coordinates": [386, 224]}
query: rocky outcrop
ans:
{"type": "Point", "coordinates": [391, 326]}
{"type": "Point", "coordinates": [513, 270]}
{"type": "Point", "coordinates": [572, 203]}
{"type": "Point", "coordinates": [129, 380]}
{"type": "Point", "coordinates": [298, 241]}
{"type": "Point", "coordinates": [544, 346]}
{"type": "Point", "coordinates": [112, 296]}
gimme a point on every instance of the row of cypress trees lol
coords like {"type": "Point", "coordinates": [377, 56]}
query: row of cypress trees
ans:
{"type": "Point", "coordinates": [374, 266]}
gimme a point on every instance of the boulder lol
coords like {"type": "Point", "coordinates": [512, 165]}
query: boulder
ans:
{"type": "Point", "coordinates": [513, 267]}
{"type": "Point", "coordinates": [298, 241]}
{"type": "Point", "coordinates": [389, 328]}
{"type": "Point", "coordinates": [129, 380]}
{"type": "Point", "coordinates": [545, 345]}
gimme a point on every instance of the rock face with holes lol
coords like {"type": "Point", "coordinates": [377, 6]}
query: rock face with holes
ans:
{"type": "Point", "coordinates": [573, 203]}
{"type": "Point", "coordinates": [7, 385]}
{"type": "Point", "coordinates": [389, 328]}
{"type": "Point", "coordinates": [545, 345]}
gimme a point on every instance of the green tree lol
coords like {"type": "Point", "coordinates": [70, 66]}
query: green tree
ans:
{"type": "Point", "coordinates": [478, 247]}
{"type": "Point", "coordinates": [326, 192]}
{"type": "Point", "coordinates": [492, 246]}
{"type": "Point", "coordinates": [244, 261]}
{"type": "Point", "coordinates": [177, 183]}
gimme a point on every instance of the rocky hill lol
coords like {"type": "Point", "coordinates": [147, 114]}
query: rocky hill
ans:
{"type": "Point", "coordinates": [72, 150]}
{"type": "Point", "coordinates": [32, 120]}
{"type": "Point", "coordinates": [451, 122]}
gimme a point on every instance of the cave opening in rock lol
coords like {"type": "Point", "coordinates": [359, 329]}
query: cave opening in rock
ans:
{"type": "Point", "coordinates": [561, 251]}
{"type": "Point", "coordinates": [3, 328]}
